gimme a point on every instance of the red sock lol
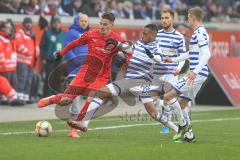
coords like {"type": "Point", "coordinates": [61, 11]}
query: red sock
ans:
{"type": "Point", "coordinates": [83, 111]}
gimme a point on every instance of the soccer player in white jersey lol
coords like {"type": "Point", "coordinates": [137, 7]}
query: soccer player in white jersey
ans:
{"type": "Point", "coordinates": [199, 54]}
{"type": "Point", "coordinates": [139, 74]}
{"type": "Point", "coordinates": [172, 44]}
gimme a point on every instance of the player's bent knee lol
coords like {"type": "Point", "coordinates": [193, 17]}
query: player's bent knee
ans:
{"type": "Point", "coordinates": [169, 96]}
{"type": "Point", "coordinates": [103, 93]}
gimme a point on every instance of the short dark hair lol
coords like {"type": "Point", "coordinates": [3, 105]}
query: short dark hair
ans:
{"type": "Point", "coordinates": [197, 12]}
{"type": "Point", "coordinates": [170, 11]}
{"type": "Point", "coordinates": [108, 15]}
{"type": "Point", "coordinates": [152, 27]}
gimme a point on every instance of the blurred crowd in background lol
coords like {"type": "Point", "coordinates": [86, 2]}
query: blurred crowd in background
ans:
{"type": "Point", "coordinates": [216, 10]}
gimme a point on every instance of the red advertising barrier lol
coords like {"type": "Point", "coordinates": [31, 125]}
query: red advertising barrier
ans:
{"type": "Point", "coordinates": [227, 73]}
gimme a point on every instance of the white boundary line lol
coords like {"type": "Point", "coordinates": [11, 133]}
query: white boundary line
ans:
{"type": "Point", "coordinates": [125, 126]}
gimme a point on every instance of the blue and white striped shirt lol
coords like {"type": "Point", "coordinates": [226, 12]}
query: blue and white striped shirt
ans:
{"type": "Point", "coordinates": [140, 65]}
{"type": "Point", "coordinates": [171, 44]}
{"type": "Point", "coordinates": [198, 40]}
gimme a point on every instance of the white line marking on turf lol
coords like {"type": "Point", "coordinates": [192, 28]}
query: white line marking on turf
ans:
{"type": "Point", "coordinates": [125, 126]}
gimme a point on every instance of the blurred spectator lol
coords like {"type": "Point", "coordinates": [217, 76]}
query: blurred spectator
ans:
{"type": "Point", "coordinates": [120, 11]}
{"type": "Point", "coordinates": [76, 56]}
{"type": "Point", "coordinates": [220, 14]}
{"type": "Point", "coordinates": [33, 7]}
{"type": "Point", "coordinates": [173, 4]}
{"type": "Point", "coordinates": [128, 9]}
{"type": "Point", "coordinates": [23, 7]}
{"type": "Point", "coordinates": [6, 7]}
{"type": "Point", "coordinates": [103, 7]}
{"type": "Point", "coordinates": [15, 6]}
{"type": "Point", "coordinates": [10, 93]}
{"type": "Point", "coordinates": [137, 9]}
{"type": "Point", "coordinates": [53, 7]}
{"type": "Point", "coordinates": [8, 58]}
{"type": "Point", "coordinates": [113, 7]}
{"type": "Point", "coordinates": [212, 13]}
{"type": "Point", "coordinates": [52, 41]}
{"type": "Point", "coordinates": [182, 12]}
{"type": "Point", "coordinates": [231, 14]}
{"type": "Point", "coordinates": [50, 8]}
{"type": "Point", "coordinates": [74, 7]}
{"type": "Point", "coordinates": [192, 3]}
{"type": "Point", "coordinates": [92, 8]}
{"type": "Point", "coordinates": [13, 29]}
{"type": "Point", "coordinates": [26, 52]}
{"type": "Point", "coordinates": [148, 12]}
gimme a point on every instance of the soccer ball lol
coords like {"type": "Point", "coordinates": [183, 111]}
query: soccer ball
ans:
{"type": "Point", "coordinates": [189, 136]}
{"type": "Point", "coordinates": [43, 128]}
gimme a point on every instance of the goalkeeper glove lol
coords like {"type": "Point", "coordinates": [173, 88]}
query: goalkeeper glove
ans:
{"type": "Point", "coordinates": [112, 44]}
{"type": "Point", "coordinates": [57, 56]}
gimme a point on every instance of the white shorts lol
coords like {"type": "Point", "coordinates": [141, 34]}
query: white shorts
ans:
{"type": "Point", "coordinates": [139, 88]}
{"type": "Point", "coordinates": [170, 78]}
{"type": "Point", "coordinates": [189, 91]}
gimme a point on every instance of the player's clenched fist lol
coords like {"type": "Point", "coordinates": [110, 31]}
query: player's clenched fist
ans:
{"type": "Point", "coordinates": [112, 44]}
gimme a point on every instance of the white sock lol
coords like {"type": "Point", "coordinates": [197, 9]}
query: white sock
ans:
{"type": "Point", "coordinates": [173, 102]}
{"type": "Point", "coordinates": [93, 106]}
{"type": "Point", "coordinates": [171, 125]}
{"type": "Point", "coordinates": [164, 120]}
{"type": "Point", "coordinates": [186, 115]}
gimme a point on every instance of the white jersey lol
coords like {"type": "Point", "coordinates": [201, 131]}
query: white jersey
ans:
{"type": "Point", "coordinates": [171, 44]}
{"type": "Point", "coordinates": [140, 65]}
{"type": "Point", "coordinates": [198, 40]}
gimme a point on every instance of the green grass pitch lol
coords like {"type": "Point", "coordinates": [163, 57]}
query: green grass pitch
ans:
{"type": "Point", "coordinates": [217, 132]}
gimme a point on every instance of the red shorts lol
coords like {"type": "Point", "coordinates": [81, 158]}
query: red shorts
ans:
{"type": "Point", "coordinates": [86, 81]}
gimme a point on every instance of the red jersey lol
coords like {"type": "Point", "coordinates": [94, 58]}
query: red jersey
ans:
{"type": "Point", "coordinates": [98, 61]}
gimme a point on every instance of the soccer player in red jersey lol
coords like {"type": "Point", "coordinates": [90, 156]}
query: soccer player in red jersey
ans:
{"type": "Point", "coordinates": [95, 72]}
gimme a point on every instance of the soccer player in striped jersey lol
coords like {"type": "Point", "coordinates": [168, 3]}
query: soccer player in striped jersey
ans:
{"type": "Point", "coordinates": [172, 44]}
{"type": "Point", "coordinates": [199, 54]}
{"type": "Point", "coordinates": [140, 75]}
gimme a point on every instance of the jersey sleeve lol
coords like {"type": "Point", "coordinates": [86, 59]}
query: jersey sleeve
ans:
{"type": "Point", "coordinates": [202, 38]}
{"type": "Point", "coordinates": [83, 40]}
{"type": "Point", "coordinates": [181, 46]}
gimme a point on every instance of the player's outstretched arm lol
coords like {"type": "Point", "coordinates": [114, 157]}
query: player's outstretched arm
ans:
{"type": "Point", "coordinates": [182, 57]}
{"type": "Point", "coordinates": [155, 57]}
{"type": "Point", "coordinates": [113, 44]}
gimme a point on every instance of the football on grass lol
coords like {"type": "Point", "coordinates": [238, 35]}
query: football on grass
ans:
{"type": "Point", "coordinates": [43, 128]}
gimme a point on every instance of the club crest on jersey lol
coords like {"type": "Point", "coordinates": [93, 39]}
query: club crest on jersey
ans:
{"type": "Point", "coordinates": [172, 43]}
